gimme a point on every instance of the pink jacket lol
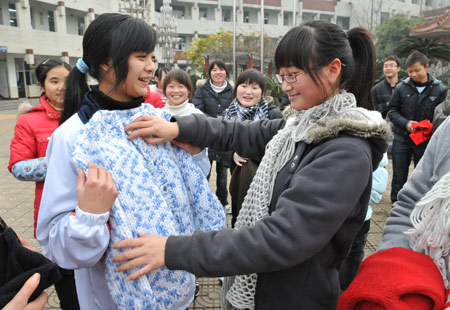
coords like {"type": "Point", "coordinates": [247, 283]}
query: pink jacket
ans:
{"type": "Point", "coordinates": [31, 136]}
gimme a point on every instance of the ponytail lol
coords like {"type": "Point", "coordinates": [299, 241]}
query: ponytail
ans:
{"type": "Point", "coordinates": [361, 80]}
{"type": "Point", "coordinates": [76, 87]}
{"type": "Point", "coordinates": [317, 43]}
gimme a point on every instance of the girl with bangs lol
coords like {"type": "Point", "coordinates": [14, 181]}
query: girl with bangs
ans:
{"type": "Point", "coordinates": [102, 187]}
{"type": "Point", "coordinates": [310, 194]}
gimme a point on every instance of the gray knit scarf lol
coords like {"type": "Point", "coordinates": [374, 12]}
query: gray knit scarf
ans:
{"type": "Point", "coordinates": [300, 126]}
{"type": "Point", "coordinates": [431, 221]}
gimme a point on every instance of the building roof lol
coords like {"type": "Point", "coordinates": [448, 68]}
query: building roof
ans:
{"type": "Point", "coordinates": [437, 28]}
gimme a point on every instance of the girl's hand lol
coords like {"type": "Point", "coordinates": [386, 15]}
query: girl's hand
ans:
{"type": "Point", "coordinates": [97, 193]}
{"type": "Point", "coordinates": [149, 251]}
{"type": "Point", "coordinates": [20, 301]}
{"type": "Point", "coordinates": [153, 129]}
{"type": "Point", "coordinates": [238, 160]}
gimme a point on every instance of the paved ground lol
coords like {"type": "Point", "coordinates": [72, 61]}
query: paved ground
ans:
{"type": "Point", "coordinates": [16, 208]}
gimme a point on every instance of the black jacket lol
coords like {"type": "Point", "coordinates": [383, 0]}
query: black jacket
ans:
{"type": "Point", "coordinates": [210, 102]}
{"type": "Point", "coordinates": [297, 250]}
{"type": "Point", "coordinates": [382, 93]}
{"type": "Point", "coordinates": [406, 104]}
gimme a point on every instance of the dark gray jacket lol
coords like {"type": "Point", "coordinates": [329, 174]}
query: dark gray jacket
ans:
{"type": "Point", "coordinates": [319, 202]}
{"type": "Point", "coordinates": [382, 93]}
{"type": "Point", "coordinates": [407, 104]}
{"type": "Point", "coordinates": [211, 103]}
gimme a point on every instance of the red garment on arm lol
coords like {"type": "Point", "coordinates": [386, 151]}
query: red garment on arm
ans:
{"type": "Point", "coordinates": [153, 98]}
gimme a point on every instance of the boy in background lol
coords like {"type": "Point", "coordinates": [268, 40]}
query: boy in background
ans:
{"type": "Point", "coordinates": [413, 100]}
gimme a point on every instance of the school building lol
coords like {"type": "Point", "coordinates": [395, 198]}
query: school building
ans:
{"type": "Point", "coordinates": [32, 31]}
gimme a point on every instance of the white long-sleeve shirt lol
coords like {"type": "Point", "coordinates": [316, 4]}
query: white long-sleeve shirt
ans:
{"type": "Point", "coordinates": [70, 237]}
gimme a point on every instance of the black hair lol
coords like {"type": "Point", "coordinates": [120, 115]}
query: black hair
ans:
{"type": "Point", "coordinates": [159, 72]}
{"type": "Point", "coordinates": [416, 56]}
{"type": "Point", "coordinates": [392, 58]}
{"type": "Point", "coordinates": [317, 43]}
{"type": "Point", "coordinates": [251, 76]}
{"type": "Point", "coordinates": [181, 77]}
{"type": "Point", "coordinates": [111, 36]}
{"type": "Point", "coordinates": [219, 64]}
{"type": "Point", "coordinates": [44, 67]}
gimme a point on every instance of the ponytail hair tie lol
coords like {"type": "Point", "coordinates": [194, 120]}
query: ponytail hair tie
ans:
{"type": "Point", "coordinates": [82, 66]}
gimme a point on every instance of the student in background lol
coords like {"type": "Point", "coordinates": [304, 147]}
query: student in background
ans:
{"type": "Point", "coordinates": [29, 145]}
{"type": "Point", "coordinates": [413, 100]}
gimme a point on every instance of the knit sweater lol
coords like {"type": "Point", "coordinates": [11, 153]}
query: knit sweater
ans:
{"type": "Point", "coordinates": [161, 191]}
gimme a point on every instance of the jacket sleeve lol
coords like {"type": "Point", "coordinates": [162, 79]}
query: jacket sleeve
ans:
{"type": "Point", "coordinates": [295, 231]}
{"type": "Point", "coordinates": [424, 176]}
{"type": "Point", "coordinates": [394, 108]}
{"type": "Point", "coordinates": [23, 144]}
{"type": "Point", "coordinates": [247, 138]}
{"type": "Point", "coordinates": [199, 102]}
{"type": "Point", "coordinates": [68, 236]}
{"type": "Point", "coordinates": [380, 106]}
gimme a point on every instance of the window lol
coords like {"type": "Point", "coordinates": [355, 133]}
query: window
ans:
{"type": "Point", "coordinates": [246, 17]}
{"type": "Point", "coordinates": [344, 22]}
{"type": "Point", "coordinates": [226, 15]}
{"type": "Point", "coordinates": [33, 22]}
{"type": "Point", "coordinates": [287, 19]}
{"type": "Point", "coordinates": [429, 2]}
{"type": "Point", "coordinates": [1, 16]}
{"type": "Point", "coordinates": [51, 21]}
{"type": "Point", "coordinates": [308, 16]}
{"type": "Point", "coordinates": [178, 11]}
{"type": "Point", "coordinates": [415, 1]}
{"type": "Point", "coordinates": [12, 15]}
{"type": "Point", "coordinates": [266, 18]}
{"type": "Point", "coordinates": [180, 43]}
{"type": "Point", "coordinates": [203, 13]}
{"type": "Point", "coordinates": [326, 17]}
{"type": "Point", "coordinates": [80, 26]}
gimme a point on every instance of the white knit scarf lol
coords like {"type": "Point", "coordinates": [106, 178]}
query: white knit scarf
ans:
{"type": "Point", "coordinates": [431, 221]}
{"type": "Point", "coordinates": [278, 152]}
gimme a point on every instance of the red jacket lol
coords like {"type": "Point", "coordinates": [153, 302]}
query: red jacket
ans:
{"type": "Point", "coordinates": [31, 136]}
{"type": "Point", "coordinates": [153, 98]}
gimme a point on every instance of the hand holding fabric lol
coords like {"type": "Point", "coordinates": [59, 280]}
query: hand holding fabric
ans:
{"type": "Point", "coordinates": [148, 251]}
{"type": "Point", "coordinates": [20, 301]}
{"type": "Point", "coordinates": [97, 193]}
{"type": "Point", "coordinates": [152, 129]}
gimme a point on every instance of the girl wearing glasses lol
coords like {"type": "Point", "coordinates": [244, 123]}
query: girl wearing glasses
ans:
{"type": "Point", "coordinates": [310, 194]}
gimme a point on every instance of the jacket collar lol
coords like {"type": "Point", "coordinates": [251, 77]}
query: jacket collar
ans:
{"type": "Point", "coordinates": [47, 108]}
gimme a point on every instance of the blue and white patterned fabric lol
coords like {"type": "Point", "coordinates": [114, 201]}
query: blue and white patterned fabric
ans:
{"type": "Point", "coordinates": [161, 191]}
{"type": "Point", "coordinates": [30, 170]}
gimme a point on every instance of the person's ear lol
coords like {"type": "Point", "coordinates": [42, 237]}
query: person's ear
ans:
{"type": "Point", "coordinates": [333, 71]}
{"type": "Point", "coordinates": [427, 67]}
{"type": "Point", "coordinates": [41, 87]}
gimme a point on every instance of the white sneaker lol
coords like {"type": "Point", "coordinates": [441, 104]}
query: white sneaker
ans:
{"type": "Point", "coordinates": [227, 208]}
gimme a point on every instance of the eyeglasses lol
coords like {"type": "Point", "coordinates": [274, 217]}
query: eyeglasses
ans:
{"type": "Point", "coordinates": [289, 78]}
{"type": "Point", "coordinates": [390, 66]}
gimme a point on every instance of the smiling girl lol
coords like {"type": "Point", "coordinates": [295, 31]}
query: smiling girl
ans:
{"type": "Point", "coordinates": [310, 193]}
{"type": "Point", "coordinates": [80, 216]}
{"type": "Point", "coordinates": [28, 148]}
{"type": "Point", "coordinates": [249, 104]}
